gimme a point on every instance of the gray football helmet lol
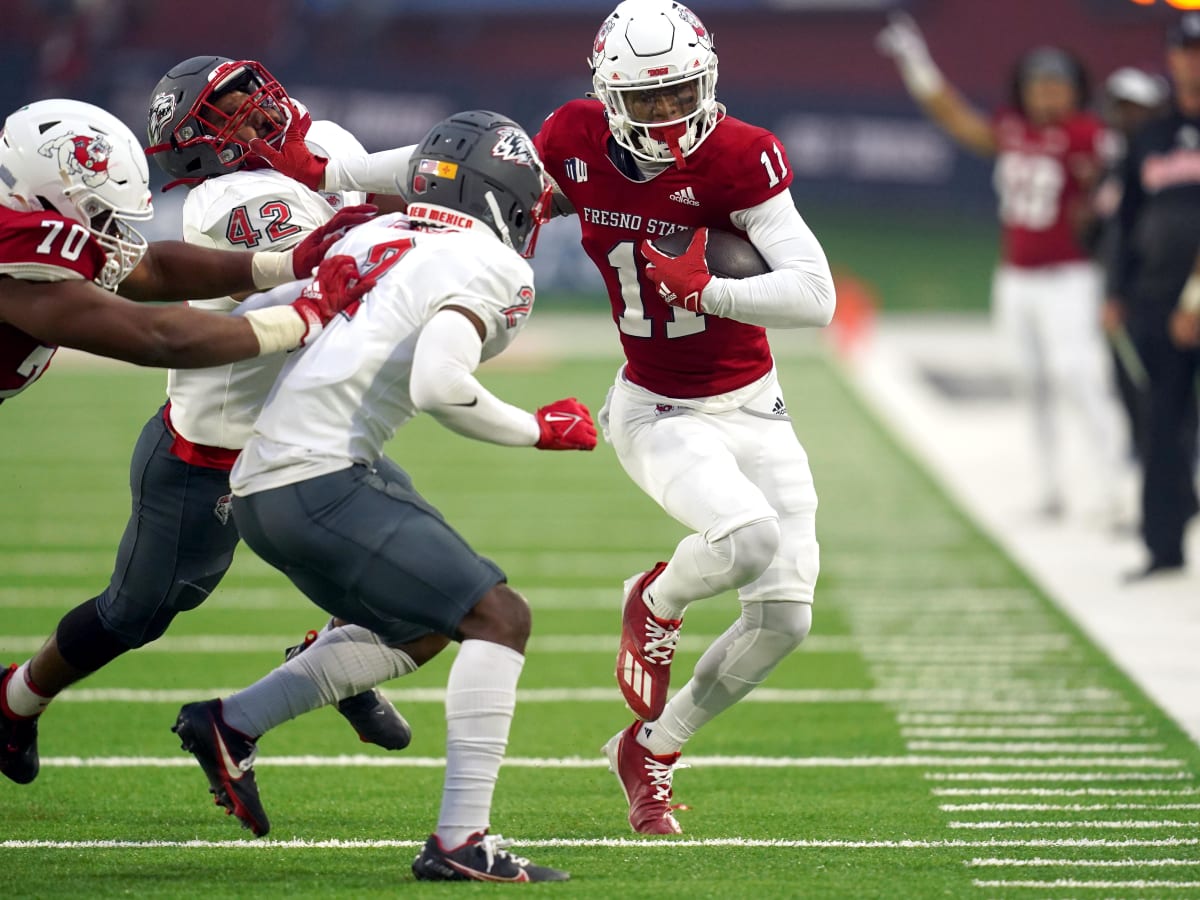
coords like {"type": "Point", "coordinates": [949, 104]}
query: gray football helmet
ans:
{"type": "Point", "coordinates": [190, 137]}
{"type": "Point", "coordinates": [483, 166]}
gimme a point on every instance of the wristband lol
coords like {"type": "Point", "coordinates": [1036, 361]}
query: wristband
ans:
{"type": "Point", "coordinates": [277, 328]}
{"type": "Point", "coordinates": [271, 268]}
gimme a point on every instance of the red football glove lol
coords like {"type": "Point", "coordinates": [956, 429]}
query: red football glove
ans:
{"type": "Point", "coordinates": [307, 255]}
{"type": "Point", "coordinates": [294, 159]}
{"type": "Point", "coordinates": [680, 280]}
{"type": "Point", "coordinates": [337, 288]}
{"type": "Point", "coordinates": [565, 425]}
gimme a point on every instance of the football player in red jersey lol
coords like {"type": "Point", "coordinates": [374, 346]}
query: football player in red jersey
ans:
{"type": "Point", "coordinates": [696, 416]}
{"type": "Point", "coordinates": [1047, 295]}
{"type": "Point", "coordinates": [73, 179]}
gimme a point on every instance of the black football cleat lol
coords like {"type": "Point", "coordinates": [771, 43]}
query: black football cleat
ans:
{"type": "Point", "coordinates": [18, 742]}
{"type": "Point", "coordinates": [227, 758]}
{"type": "Point", "coordinates": [369, 713]}
{"type": "Point", "coordinates": [483, 857]}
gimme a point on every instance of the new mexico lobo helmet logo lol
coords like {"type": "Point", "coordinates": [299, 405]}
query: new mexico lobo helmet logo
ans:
{"type": "Point", "coordinates": [513, 145]}
{"type": "Point", "coordinates": [81, 155]}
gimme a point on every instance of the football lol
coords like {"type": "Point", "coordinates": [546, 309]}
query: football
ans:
{"type": "Point", "coordinates": [729, 255]}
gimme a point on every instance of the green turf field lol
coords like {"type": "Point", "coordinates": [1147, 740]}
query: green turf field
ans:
{"type": "Point", "coordinates": [944, 732]}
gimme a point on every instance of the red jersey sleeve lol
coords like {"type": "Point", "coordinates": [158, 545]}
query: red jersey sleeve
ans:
{"type": "Point", "coordinates": [45, 246]}
{"type": "Point", "coordinates": [756, 163]}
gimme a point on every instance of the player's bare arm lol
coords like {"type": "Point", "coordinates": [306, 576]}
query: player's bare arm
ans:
{"type": "Point", "coordinates": [902, 40]}
{"type": "Point", "coordinates": [81, 315]}
{"type": "Point", "coordinates": [174, 270]}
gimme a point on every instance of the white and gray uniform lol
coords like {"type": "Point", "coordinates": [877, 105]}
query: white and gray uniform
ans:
{"type": "Point", "coordinates": [180, 538]}
{"type": "Point", "coordinates": [310, 496]}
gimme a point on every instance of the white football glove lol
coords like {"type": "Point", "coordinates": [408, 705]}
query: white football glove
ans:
{"type": "Point", "coordinates": [901, 39]}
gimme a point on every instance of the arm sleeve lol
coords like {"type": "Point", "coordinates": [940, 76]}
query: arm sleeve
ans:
{"type": "Point", "coordinates": [442, 384]}
{"type": "Point", "coordinates": [385, 172]}
{"type": "Point", "coordinates": [797, 292]}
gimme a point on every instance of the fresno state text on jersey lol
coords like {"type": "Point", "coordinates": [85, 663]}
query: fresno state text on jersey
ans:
{"type": "Point", "coordinates": [670, 351]}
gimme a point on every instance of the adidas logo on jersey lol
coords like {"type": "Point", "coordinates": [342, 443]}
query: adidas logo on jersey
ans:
{"type": "Point", "coordinates": [780, 408]}
{"type": "Point", "coordinates": [685, 195]}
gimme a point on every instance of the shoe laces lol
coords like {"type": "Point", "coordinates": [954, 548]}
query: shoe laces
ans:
{"type": "Point", "coordinates": [660, 777]}
{"type": "Point", "coordinates": [660, 641]}
{"type": "Point", "coordinates": [495, 847]}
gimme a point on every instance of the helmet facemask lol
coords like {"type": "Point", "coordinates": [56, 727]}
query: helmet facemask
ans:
{"type": "Point", "coordinates": [654, 68]}
{"type": "Point", "coordinates": [210, 123]}
{"type": "Point", "coordinates": [123, 244]}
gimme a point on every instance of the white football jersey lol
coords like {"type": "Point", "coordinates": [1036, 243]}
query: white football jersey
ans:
{"type": "Point", "coordinates": [341, 399]}
{"type": "Point", "coordinates": [258, 209]}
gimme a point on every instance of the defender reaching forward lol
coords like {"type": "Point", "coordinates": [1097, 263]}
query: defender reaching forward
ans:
{"type": "Point", "coordinates": [312, 498]}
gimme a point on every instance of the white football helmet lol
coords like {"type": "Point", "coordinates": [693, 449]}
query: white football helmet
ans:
{"type": "Point", "coordinates": [85, 164]}
{"type": "Point", "coordinates": [648, 45]}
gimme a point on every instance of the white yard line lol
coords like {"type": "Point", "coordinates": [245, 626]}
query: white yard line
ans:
{"type": "Point", "coordinates": [1059, 776]}
{"type": "Point", "coordinates": [620, 843]}
{"type": "Point", "coordinates": [1074, 823]}
{"type": "Point", "coordinates": [1028, 747]}
{"type": "Point", "coordinates": [1139, 884]}
{"type": "Point", "coordinates": [1065, 792]}
{"type": "Point", "coordinates": [1061, 807]}
{"type": "Point", "coordinates": [1030, 732]}
{"type": "Point", "coordinates": [579, 762]}
{"type": "Point", "coordinates": [1083, 863]}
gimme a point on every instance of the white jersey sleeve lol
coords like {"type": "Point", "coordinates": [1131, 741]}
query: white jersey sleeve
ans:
{"type": "Point", "coordinates": [257, 209]}
{"type": "Point", "coordinates": [340, 400]}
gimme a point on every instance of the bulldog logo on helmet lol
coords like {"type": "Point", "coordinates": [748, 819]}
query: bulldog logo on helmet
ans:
{"type": "Point", "coordinates": [81, 155]}
{"type": "Point", "coordinates": [514, 146]}
{"type": "Point", "coordinates": [692, 19]}
{"type": "Point", "coordinates": [602, 35]}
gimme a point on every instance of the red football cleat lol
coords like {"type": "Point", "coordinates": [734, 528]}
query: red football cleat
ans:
{"type": "Point", "coordinates": [646, 781]}
{"type": "Point", "coordinates": [647, 648]}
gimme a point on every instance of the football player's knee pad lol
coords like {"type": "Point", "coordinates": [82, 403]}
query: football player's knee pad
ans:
{"type": "Point", "coordinates": [744, 553]}
{"type": "Point", "coordinates": [84, 641]}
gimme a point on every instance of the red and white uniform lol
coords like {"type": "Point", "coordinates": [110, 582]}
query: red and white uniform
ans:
{"type": "Point", "coordinates": [1042, 175]}
{"type": "Point", "coordinates": [670, 351]}
{"type": "Point", "coordinates": [212, 410]}
{"type": "Point", "coordinates": [1046, 295]}
{"type": "Point", "coordinates": [696, 416]}
{"type": "Point", "coordinates": [39, 246]}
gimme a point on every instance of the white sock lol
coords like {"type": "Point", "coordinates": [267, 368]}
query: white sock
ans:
{"type": "Point", "coordinates": [481, 694]}
{"type": "Point", "coordinates": [657, 740]}
{"type": "Point", "coordinates": [340, 663]}
{"type": "Point", "coordinates": [21, 698]}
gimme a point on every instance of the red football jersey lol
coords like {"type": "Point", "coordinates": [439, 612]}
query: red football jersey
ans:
{"type": "Point", "coordinates": [1040, 179]}
{"type": "Point", "coordinates": [39, 246]}
{"type": "Point", "coordinates": [670, 351]}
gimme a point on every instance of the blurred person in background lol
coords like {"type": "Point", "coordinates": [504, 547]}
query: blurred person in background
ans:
{"type": "Point", "coordinates": [1154, 288]}
{"type": "Point", "coordinates": [1047, 293]}
{"type": "Point", "coordinates": [1131, 98]}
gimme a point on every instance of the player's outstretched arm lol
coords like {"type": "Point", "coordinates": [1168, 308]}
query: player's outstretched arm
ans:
{"type": "Point", "coordinates": [902, 40]}
{"type": "Point", "coordinates": [174, 270]}
{"type": "Point", "coordinates": [81, 315]}
{"type": "Point", "coordinates": [442, 384]}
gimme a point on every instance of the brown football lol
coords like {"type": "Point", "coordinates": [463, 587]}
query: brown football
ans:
{"type": "Point", "coordinates": [729, 255]}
